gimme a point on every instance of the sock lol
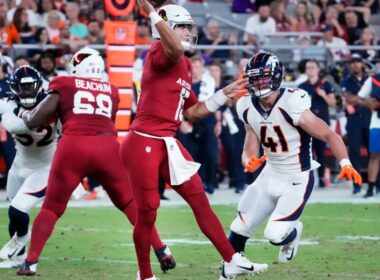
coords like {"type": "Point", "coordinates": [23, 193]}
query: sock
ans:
{"type": "Point", "coordinates": [371, 185]}
{"type": "Point", "coordinates": [291, 236]}
{"type": "Point", "coordinates": [131, 212]}
{"type": "Point", "coordinates": [18, 221]}
{"type": "Point", "coordinates": [237, 241]}
{"type": "Point", "coordinates": [42, 228]}
{"type": "Point", "coordinates": [142, 238]}
{"type": "Point", "coordinates": [210, 225]}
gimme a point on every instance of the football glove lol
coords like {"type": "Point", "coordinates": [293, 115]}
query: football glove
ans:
{"type": "Point", "coordinates": [350, 174]}
{"type": "Point", "coordinates": [254, 163]}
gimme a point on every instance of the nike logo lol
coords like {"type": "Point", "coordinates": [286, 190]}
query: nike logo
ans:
{"type": "Point", "coordinates": [246, 268]}
{"type": "Point", "coordinates": [302, 96]}
{"type": "Point", "coordinates": [291, 256]}
{"type": "Point", "coordinates": [11, 255]}
{"type": "Point", "coordinates": [295, 184]}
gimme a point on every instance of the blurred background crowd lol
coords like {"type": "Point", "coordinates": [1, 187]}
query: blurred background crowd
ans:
{"type": "Point", "coordinates": [328, 47]}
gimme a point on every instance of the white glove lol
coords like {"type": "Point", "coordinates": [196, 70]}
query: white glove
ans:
{"type": "Point", "coordinates": [6, 106]}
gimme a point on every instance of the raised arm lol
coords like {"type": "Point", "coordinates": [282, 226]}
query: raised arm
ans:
{"type": "Point", "coordinates": [43, 113]}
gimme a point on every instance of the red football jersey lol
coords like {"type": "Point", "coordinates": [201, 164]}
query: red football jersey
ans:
{"type": "Point", "coordinates": [86, 107]}
{"type": "Point", "coordinates": [165, 93]}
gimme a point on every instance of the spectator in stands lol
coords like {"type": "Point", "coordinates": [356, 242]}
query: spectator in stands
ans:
{"type": "Point", "coordinates": [230, 134]}
{"type": "Point", "coordinates": [46, 66]}
{"type": "Point", "coordinates": [43, 12]}
{"type": "Point", "coordinates": [143, 32]}
{"type": "Point", "coordinates": [8, 32]}
{"type": "Point", "coordinates": [367, 39]}
{"type": "Point", "coordinates": [30, 7]}
{"type": "Point", "coordinates": [95, 35]}
{"type": "Point", "coordinates": [259, 25]}
{"type": "Point", "coordinates": [370, 97]}
{"type": "Point", "coordinates": [215, 37]}
{"type": "Point", "coordinates": [21, 22]}
{"type": "Point", "coordinates": [322, 97]}
{"type": "Point", "coordinates": [303, 19]}
{"type": "Point", "coordinates": [243, 6]}
{"type": "Point", "coordinates": [42, 37]}
{"type": "Point", "coordinates": [20, 61]}
{"type": "Point", "coordinates": [353, 29]}
{"type": "Point", "coordinates": [53, 27]}
{"type": "Point", "coordinates": [77, 29]}
{"type": "Point", "coordinates": [277, 12]}
{"type": "Point", "coordinates": [100, 16]}
{"type": "Point", "coordinates": [337, 46]}
{"type": "Point", "coordinates": [358, 117]}
{"type": "Point", "coordinates": [331, 18]}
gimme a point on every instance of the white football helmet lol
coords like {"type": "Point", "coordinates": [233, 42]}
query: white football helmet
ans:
{"type": "Point", "coordinates": [87, 63]}
{"type": "Point", "coordinates": [174, 15]}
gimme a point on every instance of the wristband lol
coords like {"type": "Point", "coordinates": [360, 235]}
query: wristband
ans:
{"type": "Point", "coordinates": [155, 18]}
{"type": "Point", "coordinates": [345, 162]}
{"type": "Point", "coordinates": [215, 101]}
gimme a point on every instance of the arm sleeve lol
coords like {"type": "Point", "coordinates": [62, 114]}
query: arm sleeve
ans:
{"type": "Point", "coordinates": [191, 101]}
{"type": "Point", "coordinates": [158, 58]}
{"type": "Point", "coordinates": [298, 102]}
{"type": "Point", "coordinates": [366, 89]}
{"type": "Point", "coordinates": [13, 124]}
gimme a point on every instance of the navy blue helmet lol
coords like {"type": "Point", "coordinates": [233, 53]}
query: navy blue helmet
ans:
{"type": "Point", "coordinates": [265, 73]}
{"type": "Point", "coordinates": [26, 86]}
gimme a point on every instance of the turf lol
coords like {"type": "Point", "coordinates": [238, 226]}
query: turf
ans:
{"type": "Point", "coordinates": [96, 243]}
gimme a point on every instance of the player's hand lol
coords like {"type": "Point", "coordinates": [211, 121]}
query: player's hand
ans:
{"type": "Point", "coordinates": [254, 163]}
{"type": "Point", "coordinates": [146, 6]}
{"type": "Point", "coordinates": [350, 174]}
{"type": "Point", "coordinates": [235, 88]}
{"type": "Point", "coordinates": [5, 106]}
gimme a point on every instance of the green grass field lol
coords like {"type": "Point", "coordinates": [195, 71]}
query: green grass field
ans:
{"type": "Point", "coordinates": [96, 243]}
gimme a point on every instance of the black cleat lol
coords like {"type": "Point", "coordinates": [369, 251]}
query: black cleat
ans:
{"type": "Point", "coordinates": [165, 258]}
{"type": "Point", "coordinates": [27, 269]}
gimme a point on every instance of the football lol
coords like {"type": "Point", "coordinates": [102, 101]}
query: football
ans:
{"type": "Point", "coordinates": [157, 3]}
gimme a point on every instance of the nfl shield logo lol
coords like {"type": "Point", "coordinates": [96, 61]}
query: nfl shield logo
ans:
{"type": "Point", "coordinates": [120, 34]}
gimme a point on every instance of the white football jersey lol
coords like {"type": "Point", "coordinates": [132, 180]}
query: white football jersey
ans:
{"type": "Point", "coordinates": [287, 146]}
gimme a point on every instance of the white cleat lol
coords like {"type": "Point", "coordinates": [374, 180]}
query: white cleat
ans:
{"type": "Point", "coordinates": [14, 246]}
{"type": "Point", "coordinates": [151, 278]}
{"type": "Point", "coordinates": [14, 262]}
{"type": "Point", "coordinates": [289, 251]}
{"type": "Point", "coordinates": [240, 265]}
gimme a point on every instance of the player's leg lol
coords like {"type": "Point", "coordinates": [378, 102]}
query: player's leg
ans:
{"type": "Point", "coordinates": [208, 222]}
{"type": "Point", "coordinates": [374, 160]}
{"type": "Point", "coordinates": [113, 177]}
{"type": "Point", "coordinates": [141, 157]}
{"type": "Point", "coordinates": [354, 144]}
{"type": "Point", "coordinates": [284, 228]}
{"type": "Point", "coordinates": [68, 168]}
{"type": "Point", "coordinates": [254, 207]}
{"type": "Point", "coordinates": [31, 192]}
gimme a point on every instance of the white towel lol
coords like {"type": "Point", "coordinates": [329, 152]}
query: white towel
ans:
{"type": "Point", "coordinates": [180, 168]}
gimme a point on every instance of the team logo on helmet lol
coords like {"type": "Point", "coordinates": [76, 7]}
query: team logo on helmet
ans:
{"type": "Point", "coordinates": [162, 14]}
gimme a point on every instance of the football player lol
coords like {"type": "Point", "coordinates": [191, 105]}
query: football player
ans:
{"type": "Point", "coordinates": [280, 121]}
{"type": "Point", "coordinates": [28, 175]}
{"type": "Point", "coordinates": [86, 107]}
{"type": "Point", "coordinates": [166, 96]}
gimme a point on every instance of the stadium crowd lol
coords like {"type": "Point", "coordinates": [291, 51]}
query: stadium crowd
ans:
{"type": "Point", "coordinates": [61, 27]}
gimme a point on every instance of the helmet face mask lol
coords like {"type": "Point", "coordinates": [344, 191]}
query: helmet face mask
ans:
{"type": "Point", "coordinates": [87, 63]}
{"type": "Point", "coordinates": [26, 86]}
{"type": "Point", "coordinates": [265, 73]}
{"type": "Point", "coordinates": [177, 16]}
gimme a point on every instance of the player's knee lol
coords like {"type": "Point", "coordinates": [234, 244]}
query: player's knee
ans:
{"type": "Point", "coordinates": [58, 208]}
{"type": "Point", "coordinates": [239, 227]}
{"type": "Point", "coordinates": [275, 234]}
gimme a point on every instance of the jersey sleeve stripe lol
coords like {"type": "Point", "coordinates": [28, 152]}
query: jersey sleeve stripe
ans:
{"type": "Point", "coordinates": [297, 213]}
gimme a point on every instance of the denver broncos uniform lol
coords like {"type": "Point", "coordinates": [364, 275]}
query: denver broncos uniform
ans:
{"type": "Point", "coordinates": [285, 184]}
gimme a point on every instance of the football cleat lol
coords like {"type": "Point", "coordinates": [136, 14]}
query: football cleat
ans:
{"type": "Point", "coordinates": [240, 265]}
{"type": "Point", "coordinates": [27, 269]}
{"type": "Point", "coordinates": [14, 262]}
{"type": "Point", "coordinates": [151, 278]}
{"type": "Point", "coordinates": [165, 257]}
{"type": "Point", "coordinates": [14, 246]}
{"type": "Point", "coordinates": [289, 251]}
